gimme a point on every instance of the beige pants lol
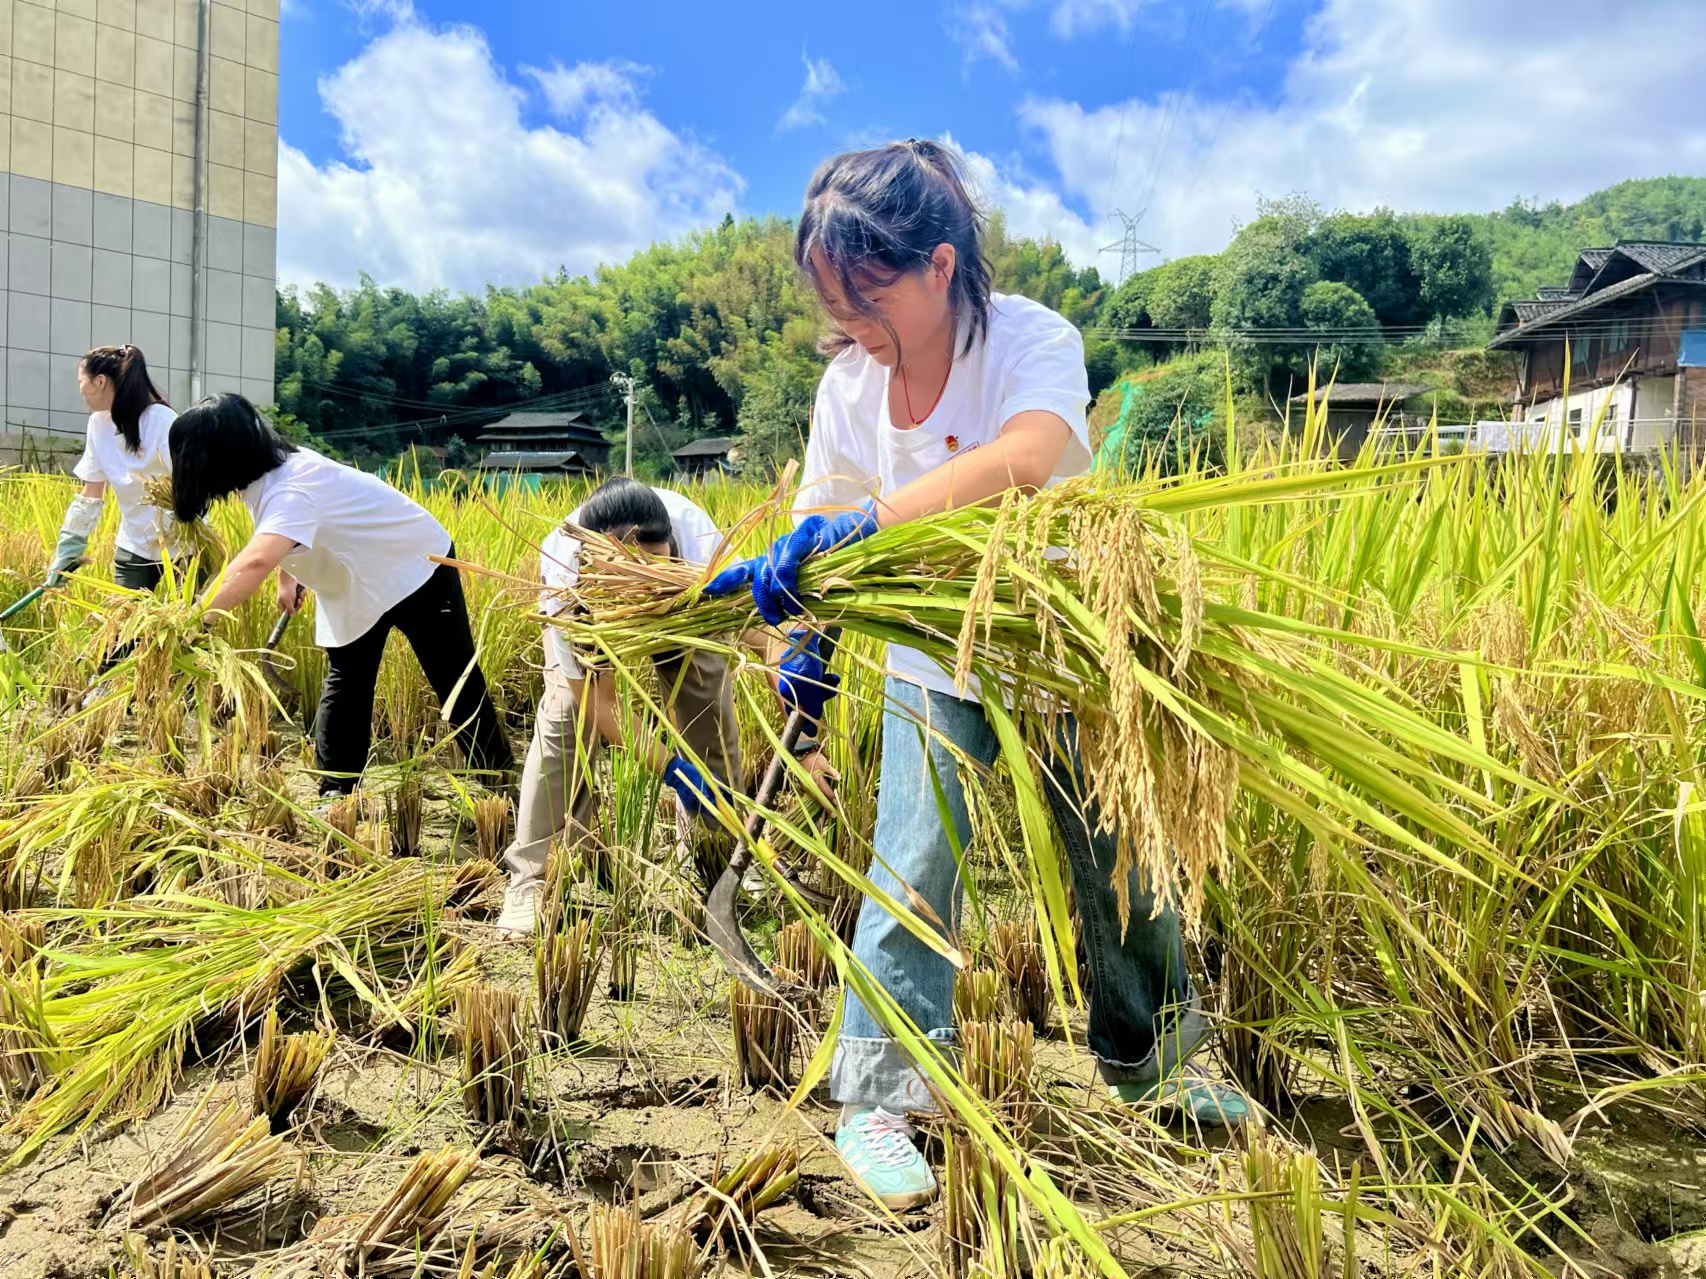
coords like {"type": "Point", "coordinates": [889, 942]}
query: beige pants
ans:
{"type": "Point", "coordinates": [556, 781]}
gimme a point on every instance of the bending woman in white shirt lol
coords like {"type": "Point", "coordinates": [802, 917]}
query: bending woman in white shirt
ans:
{"type": "Point", "coordinates": [362, 547]}
{"type": "Point", "coordinates": [124, 448]}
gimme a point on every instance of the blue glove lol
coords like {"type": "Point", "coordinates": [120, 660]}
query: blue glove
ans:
{"type": "Point", "coordinates": [697, 795]}
{"type": "Point", "coordinates": [804, 685]}
{"type": "Point", "coordinates": [775, 576]}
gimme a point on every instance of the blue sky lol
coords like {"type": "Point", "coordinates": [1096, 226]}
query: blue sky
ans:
{"type": "Point", "coordinates": [448, 143]}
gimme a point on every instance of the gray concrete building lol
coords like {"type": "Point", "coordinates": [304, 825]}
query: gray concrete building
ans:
{"type": "Point", "coordinates": [138, 199]}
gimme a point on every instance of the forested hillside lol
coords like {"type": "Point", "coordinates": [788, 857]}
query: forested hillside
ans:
{"type": "Point", "coordinates": [721, 335]}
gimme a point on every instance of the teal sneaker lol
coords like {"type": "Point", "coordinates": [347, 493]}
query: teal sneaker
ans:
{"type": "Point", "coordinates": [1202, 1100]}
{"type": "Point", "coordinates": [877, 1149]}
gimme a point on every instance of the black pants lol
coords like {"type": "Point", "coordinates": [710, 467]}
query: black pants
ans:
{"type": "Point", "coordinates": [435, 622]}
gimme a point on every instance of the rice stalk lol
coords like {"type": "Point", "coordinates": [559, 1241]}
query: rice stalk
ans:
{"type": "Point", "coordinates": [1018, 955]}
{"type": "Point", "coordinates": [494, 1054]}
{"type": "Point", "coordinates": [765, 1030]}
{"type": "Point", "coordinates": [625, 950]}
{"type": "Point", "coordinates": [799, 951]}
{"type": "Point", "coordinates": [981, 1213]}
{"type": "Point", "coordinates": [977, 995]}
{"type": "Point", "coordinates": [998, 1059]}
{"type": "Point", "coordinates": [1287, 1211]}
{"type": "Point", "coordinates": [270, 810]}
{"type": "Point", "coordinates": [27, 1049]}
{"type": "Point", "coordinates": [170, 1264]}
{"type": "Point", "coordinates": [736, 1195]}
{"type": "Point", "coordinates": [190, 538]}
{"type": "Point", "coordinates": [616, 1243]}
{"type": "Point", "coordinates": [565, 974]}
{"type": "Point", "coordinates": [216, 1158]}
{"type": "Point", "coordinates": [403, 814]}
{"type": "Point", "coordinates": [286, 1069]}
{"type": "Point", "coordinates": [492, 815]}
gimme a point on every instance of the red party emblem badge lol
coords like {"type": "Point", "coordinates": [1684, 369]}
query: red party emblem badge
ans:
{"type": "Point", "coordinates": [953, 443]}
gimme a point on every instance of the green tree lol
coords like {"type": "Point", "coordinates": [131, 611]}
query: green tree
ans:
{"type": "Point", "coordinates": [1259, 285]}
{"type": "Point", "coordinates": [1181, 294]}
{"type": "Point", "coordinates": [1351, 349]}
{"type": "Point", "coordinates": [1454, 264]}
{"type": "Point", "coordinates": [1372, 255]}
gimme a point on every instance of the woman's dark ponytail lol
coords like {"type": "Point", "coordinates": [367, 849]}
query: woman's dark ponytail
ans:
{"type": "Point", "coordinates": [134, 392]}
{"type": "Point", "coordinates": [872, 216]}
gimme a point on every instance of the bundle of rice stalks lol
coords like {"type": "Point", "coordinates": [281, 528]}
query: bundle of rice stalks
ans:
{"type": "Point", "coordinates": [494, 1054]}
{"type": "Point", "coordinates": [286, 1069]}
{"type": "Point", "coordinates": [1062, 1259]}
{"type": "Point", "coordinates": [1287, 1211]}
{"type": "Point", "coordinates": [981, 1213]}
{"type": "Point", "coordinates": [617, 1243]}
{"type": "Point", "coordinates": [799, 951]}
{"type": "Point", "coordinates": [765, 1029]}
{"type": "Point", "coordinates": [26, 1044]}
{"type": "Point", "coordinates": [1178, 698]}
{"type": "Point", "coordinates": [565, 974]}
{"type": "Point", "coordinates": [624, 964]}
{"type": "Point", "coordinates": [404, 805]}
{"type": "Point", "coordinates": [737, 1195]}
{"type": "Point", "coordinates": [977, 995]}
{"type": "Point", "coordinates": [1018, 955]}
{"type": "Point", "coordinates": [470, 882]}
{"type": "Point", "coordinates": [270, 810]}
{"type": "Point", "coordinates": [170, 1264]}
{"type": "Point", "coordinates": [189, 539]}
{"type": "Point", "coordinates": [997, 1060]}
{"type": "Point", "coordinates": [216, 1159]}
{"type": "Point", "coordinates": [491, 826]}
{"type": "Point", "coordinates": [122, 1001]}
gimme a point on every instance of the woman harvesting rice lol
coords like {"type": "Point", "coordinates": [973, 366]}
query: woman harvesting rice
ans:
{"type": "Point", "coordinates": [555, 793]}
{"type": "Point", "coordinates": [124, 448]}
{"type": "Point", "coordinates": [944, 394]}
{"type": "Point", "coordinates": [362, 547]}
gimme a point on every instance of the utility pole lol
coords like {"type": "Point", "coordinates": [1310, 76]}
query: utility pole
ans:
{"type": "Point", "coordinates": [1129, 246]}
{"type": "Point", "coordinates": [625, 384]}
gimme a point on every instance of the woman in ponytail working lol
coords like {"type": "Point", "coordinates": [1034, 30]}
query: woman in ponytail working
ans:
{"type": "Point", "coordinates": [125, 447]}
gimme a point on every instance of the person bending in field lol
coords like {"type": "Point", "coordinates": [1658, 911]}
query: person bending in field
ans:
{"type": "Point", "coordinates": [944, 394]}
{"type": "Point", "coordinates": [362, 547]}
{"type": "Point", "coordinates": [578, 712]}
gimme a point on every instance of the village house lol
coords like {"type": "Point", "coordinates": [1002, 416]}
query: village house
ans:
{"type": "Point", "coordinates": [1626, 336]}
{"type": "Point", "coordinates": [704, 457]}
{"type": "Point", "coordinates": [1356, 409]}
{"type": "Point", "coordinates": [557, 444]}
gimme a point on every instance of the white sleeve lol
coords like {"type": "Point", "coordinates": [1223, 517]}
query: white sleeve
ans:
{"type": "Point", "coordinates": [558, 644]}
{"type": "Point", "coordinates": [833, 476]}
{"type": "Point", "coordinates": [696, 534]}
{"type": "Point", "coordinates": [88, 468]}
{"type": "Point", "coordinates": [289, 512]}
{"type": "Point", "coordinates": [1047, 374]}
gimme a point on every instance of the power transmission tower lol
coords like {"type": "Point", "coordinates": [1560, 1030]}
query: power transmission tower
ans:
{"type": "Point", "coordinates": [1129, 246]}
{"type": "Point", "coordinates": [625, 384]}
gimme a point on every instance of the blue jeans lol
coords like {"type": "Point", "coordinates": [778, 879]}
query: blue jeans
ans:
{"type": "Point", "coordinates": [1143, 1015]}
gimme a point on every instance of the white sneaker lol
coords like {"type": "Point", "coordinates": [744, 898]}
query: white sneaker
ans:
{"type": "Point", "coordinates": [96, 694]}
{"type": "Point", "coordinates": [520, 912]}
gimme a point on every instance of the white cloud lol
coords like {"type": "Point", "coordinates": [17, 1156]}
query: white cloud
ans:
{"type": "Point", "coordinates": [822, 84]}
{"type": "Point", "coordinates": [447, 184]}
{"type": "Point", "coordinates": [1484, 103]}
{"type": "Point", "coordinates": [980, 29]}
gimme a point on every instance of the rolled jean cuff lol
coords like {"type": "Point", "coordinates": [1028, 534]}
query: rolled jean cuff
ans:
{"type": "Point", "coordinates": [1186, 1033]}
{"type": "Point", "coordinates": [877, 1072]}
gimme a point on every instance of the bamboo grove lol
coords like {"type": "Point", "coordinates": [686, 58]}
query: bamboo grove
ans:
{"type": "Point", "coordinates": [1410, 742]}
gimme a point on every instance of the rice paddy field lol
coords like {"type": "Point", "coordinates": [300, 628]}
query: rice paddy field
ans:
{"type": "Point", "coordinates": [1414, 745]}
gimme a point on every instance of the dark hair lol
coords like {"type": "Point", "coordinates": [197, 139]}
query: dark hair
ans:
{"type": "Point", "coordinates": [627, 510]}
{"type": "Point", "coordinates": [875, 215]}
{"type": "Point", "coordinates": [220, 445]}
{"type": "Point", "coordinates": [134, 392]}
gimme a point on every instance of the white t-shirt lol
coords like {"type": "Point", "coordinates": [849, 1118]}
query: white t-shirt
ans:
{"type": "Point", "coordinates": [696, 541]}
{"type": "Point", "coordinates": [106, 460]}
{"type": "Point", "coordinates": [1031, 359]}
{"type": "Point", "coordinates": [361, 546]}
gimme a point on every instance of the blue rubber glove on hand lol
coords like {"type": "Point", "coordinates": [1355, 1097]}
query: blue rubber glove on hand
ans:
{"type": "Point", "coordinates": [803, 684]}
{"type": "Point", "coordinates": [697, 795]}
{"type": "Point", "coordinates": [775, 576]}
